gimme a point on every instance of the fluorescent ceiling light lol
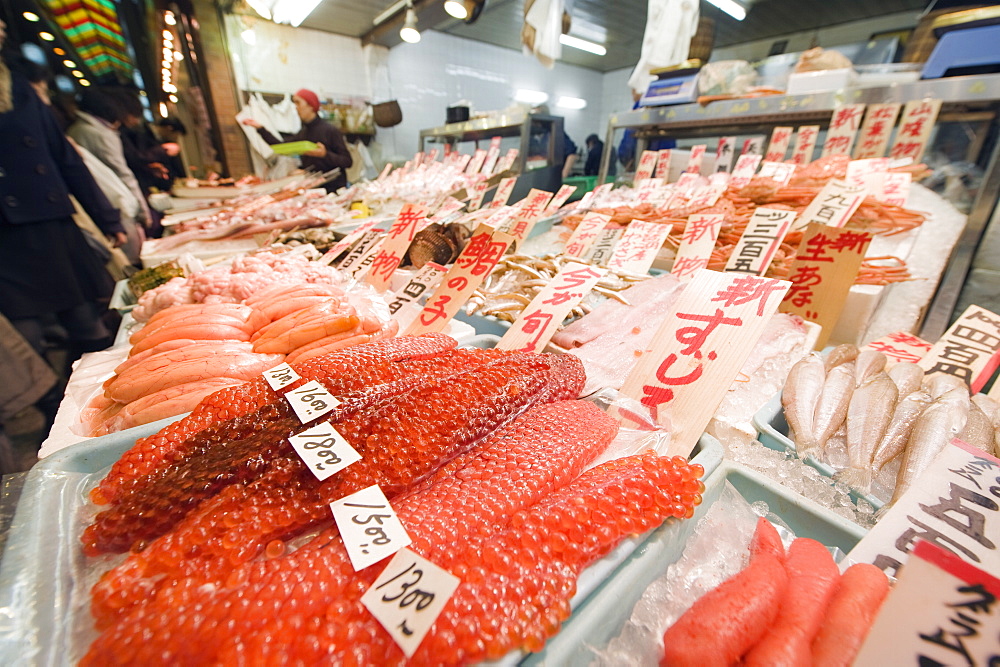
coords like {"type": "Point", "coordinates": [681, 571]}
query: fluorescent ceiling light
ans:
{"type": "Point", "coordinates": [456, 9]}
{"type": "Point", "coordinates": [293, 12]}
{"type": "Point", "coordinates": [390, 12]}
{"type": "Point", "coordinates": [530, 96]}
{"type": "Point", "coordinates": [409, 33]}
{"type": "Point", "coordinates": [571, 103]}
{"type": "Point", "coordinates": [584, 45]}
{"type": "Point", "coordinates": [731, 7]}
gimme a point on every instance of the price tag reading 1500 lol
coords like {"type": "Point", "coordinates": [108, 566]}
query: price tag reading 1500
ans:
{"type": "Point", "coordinates": [369, 526]}
{"type": "Point", "coordinates": [311, 401]}
{"type": "Point", "coordinates": [324, 450]}
{"type": "Point", "coordinates": [280, 376]}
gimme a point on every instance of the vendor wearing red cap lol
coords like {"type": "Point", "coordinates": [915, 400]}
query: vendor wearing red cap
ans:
{"type": "Point", "coordinates": [331, 151]}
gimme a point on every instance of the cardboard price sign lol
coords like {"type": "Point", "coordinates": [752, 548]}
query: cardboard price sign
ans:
{"type": "Point", "coordinates": [502, 194]}
{"type": "Point", "coordinates": [482, 253]}
{"type": "Point", "coordinates": [746, 166]}
{"type": "Point", "coordinates": [408, 597]}
{"type": "Point", "coordinates": [942, 611]}
{"type": "Point", "coordinates": [603, 246]}
{"type": "Point", "coordinates": [697, 242]}
{"type": "Point", "coordinates": [699, 349]}
{"type": "Point", "coordinates": [391, 252]}
{"type": "Point", "coordinates": [538, 322]}
{"type": "Point", "coordinates": [915, 129]}
{"type": "Point", "coordinates": [637, 249]}
{"type": "Point", "coordinates": [969, 350]}
{"type": "Point", "coordinates": [724, 154]}
{"type": "Point", "coordinates": [901, 346]}
{"type": "Point", "coordinates": [834, 205]}
{"type": "Point", "coordinates": [953, 504]}
{"type": "Point", "coordinates": [647, 164]}
{"type": "Point", "coordinates": [780, 138]}
{"type": "Point", "coordinates": [805, 144]}
{"type": "Point", "coordinates": [585, 234]}
{"type": "Point", "coordinates": [280, 376]}
{"type": "Point", "coordinates": [822, 274]}
{"type": "Point", "coordinates": [875, 131]}
{"type": "Point", "coordinates": [369, 526]}
{"type": "Point", "coordinates": [694, 162]}
{"type": "Point", "coordinates": [324, 450]}
{"type": "Point", "coordinates": [843, 128]}
{"type": "Point", "coordinates": [662, 164]}
{"type": "Point", "coordinates": [756, 248]}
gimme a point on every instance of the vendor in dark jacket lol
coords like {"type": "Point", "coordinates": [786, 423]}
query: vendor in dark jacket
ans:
{"type": "Point", "coordinates": [331, 151]}
{"type": "Point", "coordinates": [46, 266]}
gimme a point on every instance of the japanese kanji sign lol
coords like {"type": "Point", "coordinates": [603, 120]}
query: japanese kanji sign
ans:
{"type": "Point", "coordinates": [482, 253]}
{"type": "Point", "coordinates": [349, 240]}
{"type": "Point", "coordinates": [492, 155]}
{"type": "Point", "coordinates": [915, 128]}
{"type": "Point", "coordinates": [896, 188]}
{"type": "Point", "coordinates": [780, 138]}
{"type": "Point", "coordinates": [601, 249]}
{"type": "Point", "coordinates": [969, 350]}
{"type": "Point", "coordinates": [502, 194]}
{"type": "Point", "coordinates": [365, 243]}
{"type": "Point", "coordinates": [647, 165]}
{"type": "Point", "coordinates": [694, 162]}
{"type": "Point", "coordinates": [530, 210]}
{"type": "Point", "coordinates": [901, 346]}
{"type": "Point", "coordinates": [697, 242]}
{"type": "Point", "coordinates": [427, 278]}
{"type": "Point", "coordinates": [699, 349]}
{"type": "Point", "coordinates": [703, 198]}
{"type": "Point", "coordinates": [756, 248]}
{"type": "Point", "coordinates": [394, 247]}
{"type": "Point", "coordinates": [780, 172]}
{"type": "Point", "coordinates": [746, 165]}
{"type": "Point", "coordinates": [478, 192]}
{"type": "Point", "coordinates": [476, 163]}
{"type": "Point", "coordinates": [876, 130]}
{"type": "Point", "coordinates": [540, 319]}
{"type": "Point", "coordinates": [724, 154]}
{"type": "Point", "coordinates": [585, 234]}
{"type": "Point", "coordinates": [663, 164]}
{"type": "Point", "coordinates": [564, 193]}
{"type": "Point", "coordinates": [844, 126]}
{"type": "Point", "coordinates": [860, 172]}
{"type": "Point", "coordinates": [824, 269]}
{"type": "Point", "coordinates": [637, 248]}
{"type": "Point", "coordinates": [753, 146]}
{"type": "Point", "coordinates": [805, 144]}
{"type": "Point", "coordinates": [448, 206]}
{"type": "Point", "coordinates": [833, 206]}
{"type": "Point", "coordinates": [508, 160]}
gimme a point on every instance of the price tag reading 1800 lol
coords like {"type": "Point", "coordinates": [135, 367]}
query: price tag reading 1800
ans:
{"type": "Point", "coordinates": [311, 401]}
{"type": "Point", "coordinates": [280, 376]}
{"type": "Point", "coordinates": [324, 450]}
{"type": "Point", "coordinates": [408, 597]}
{"type": "Point", "coordinates": [369, 526]}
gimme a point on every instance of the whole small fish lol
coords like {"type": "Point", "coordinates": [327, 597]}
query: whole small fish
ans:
{"type": "Point", "coordinates": [868, 364]}
{"type": "Point", "coordinates": [904, 417]}
{"type": "Point", "coordinates": [832, 409]}
{"type": "Point", "coordinates": [907, 376]}
{"type": "Point", "coordinates": [840, 355]}
{"type": "Point", "coordinates": [800, 397]}
{"type": "Point", "coordinates": [978, 430]}
{"type": "Point", "coordinates": [989, 407]}
{"type": "Point", "coordinates": [868, 417]}
{"type": "Point", "coordinates": [940, 383]}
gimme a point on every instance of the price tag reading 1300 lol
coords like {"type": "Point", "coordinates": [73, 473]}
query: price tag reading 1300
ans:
{"type": "Point", "coordinates": [369, 526]}
{"type": "Point", "coordinates": [324, 450]}
{"type": "Point", "coordinates": [311, 401]}
{"type": "Point", "coordinates": [280, 376]}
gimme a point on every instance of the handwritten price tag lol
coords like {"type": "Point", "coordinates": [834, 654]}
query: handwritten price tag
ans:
{"type": "Point", "coordinates": [746, 165]}
{"type": "Point", "coordinates": [280, 376]}
{"type": "Point", "coordinates": [833, 206]}
{"type": "Point", "coordinates": [876, 130]}
{"type": "Point", "coordinates": [780, 138]}
{"type": "Point", "coordinates": [408, 597]}
{"type": "Point", "coordinates": [311, 401]}
{"type": "Point", "coordinates": [369, 526]}
{"type": "Point", "coordinates": [585, 234]}
{"type": "Point", "coordinates": [694, 162]}
{"type": "Point", "coordinates": [324, 450]}
{"type": "Point", "coordinates": [502, 194]}
{"type": "Point", "coordinates": [844, 126]}
{"type": "Point", "coordinates": [969, 349]}
{"type": "Point", "coordinates": [647, 165]}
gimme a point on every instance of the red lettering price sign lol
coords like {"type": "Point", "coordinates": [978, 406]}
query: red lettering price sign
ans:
{"type": "Point", "coordinates": [449, 206]}
{"type": "Point", "coordinates": [746, 166]}
{"type": "Point", "coordinates": [969, 350]}
{"type": "Point", "coordinates": [647, 165]}
{"type": "Point", "coordinates": [637, 249]}
{"type": "Point", "coordinates": [508, 160]}
{"type": "Point", "coordinates": [369, 526]}
{"type": "Point", "coordinates": [476, 163]}
{"type": "Point", "coordinates": [694, 162]}
{"type": "Point", "coordinates": [753, 146]}
{"type": "Point", "coordinates": [756, 248]}
{"type": "Point", "coordinates": [538, 322]}
{"type": "Point", "coordinates": [427, 278]}
{"type": "Point", "coordinates": [875, 131]}
{"type": "Point", "coordinates": [391, 252]}
{"type": "Point", "coordinates": [408, 597]}
{"type": "Point", "coordinates": [324, 450]}
{"type": "Point", "coordinates": [833, 206]}
{"type": "Point", "coordinates": [705, 197]}
{"type": "Point", "coordinates": [805, 144]}
{"type": "Point", "coordinates": [492, 156]}
{"type": "Point", "coordinates": [482, 253]}
{"type": "Point", "coordinates": [502, 194]}
{"type": "Point", "coordinates": [530, 210]}
{"type": "Point", "coordinates": [896, 188]}
{"type": "Point", "coordinates": [368, 241]}
{"type": "Point", "coordinates": [562, 195]}
{"type": "Point", "coordinates": [843, 128]}
{"type": "Point", "coordinates": [699, 349]}
{"type": "Point", "coordinates": [952, 504]}
{"type": "Point", "coordinates": [478, 192]}
{"type": "Point", "coordinates": [697, 242]}
{"type": "Point", "coordinates": [585, 234]}
{"type": "Point", "coordinates": [463, 162]}
{"type": "Point", "coordinates": [780, 138]}
{"type": "Point", "coordinates": [859, 172]}
{"type": "Point", "coordinates": [311, 401]}
{"type": "Point", "coordinates": [942, 611]}
{"type": "Point", "coordinates": [901, 346]}
{"type": "Point", "coordinates": [280, 376]}
{"type": "Point", "coordinates": [824, 269]}
{"type": "Point", "coordinates": [724, 154]}
{"type": "Point", "coordinates": [915, 128]}
{"type": "Point", "coordinates": [662, 164]}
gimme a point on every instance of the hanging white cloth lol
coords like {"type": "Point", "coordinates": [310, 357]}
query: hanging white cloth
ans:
{"type": "Point", "coordinates": [544, 19]}
{"type": "Point", "coordinates": [286, 118]}
{"type": "Point", "coordinates": [670, 25]}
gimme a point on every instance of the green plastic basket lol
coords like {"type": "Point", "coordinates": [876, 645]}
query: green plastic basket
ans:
{"type": "Point", "coordinates": [294, 147]}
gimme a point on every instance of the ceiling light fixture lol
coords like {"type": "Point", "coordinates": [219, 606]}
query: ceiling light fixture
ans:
{"type": "Point", "coordinates": [163, 109]}
{"type": "Point", "coordinates": [169, 18]}
{"type": "Point", "coordinates": [731, 7]}
{"type": "Point", "coordinates": [69, 63]}
{"type": "Point", "coordinates": [173, 98]}
{"type": "Point", "coordinates": [31, 16]}
{"type": "Point", "coordinates": [77, 73]}
{"type": "Point", "coordinates": [84, 83]}
{"type": "Point", "coordinates": [571, 102]}
{"type": "Point", "coordinates": [458, 9]}
{"type": "Point", "coordinates": [584, 45]}
{"type": "Point", "coordinates": [58, 51]}
{"type": "Point", "coordinates": [409, 33]}
{"type": "Point", "coordinates": [47, 36]}
{"type": "Point", "coordinates": [530, 96]}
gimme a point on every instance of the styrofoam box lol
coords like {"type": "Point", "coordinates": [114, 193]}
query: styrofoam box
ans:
{"type": "Point", "coordinates": [801, 83]}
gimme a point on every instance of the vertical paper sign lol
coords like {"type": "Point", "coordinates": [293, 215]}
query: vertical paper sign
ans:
{"type": "Point", "coordinates": [364, 245]}
{"type": "Point", "coordinates": [427, 278]}
{"type": "Point", "coordinates": [705, 197]}
{"type": "Point", "coordinates": [699, 237]}
{"type": "Point", "coordinates": [942, 611]}
{"type": "Point", "coordinates": [822, 274]}
{"type": "Point", "coordinates": [780, 138]}
{"type": "Point", "coordinates": [694, 162]}
{"type": "Point", "coordinates": [508, 160]}
{"type": "Point", "coordinates": [599, 193]}
{"type": "Point", "coordinates": [875, 131]}
{"type": "Point", "coordinates": [844, 126]}
{"type": "Point", "coordinates": [746, 165]}
{"type": "Point", "coordinates": [492, 155]}
{"type": "Point", "coordinates": [896, 188]}
{"type": "Point", "coordinates": [662, 164]}
{"type": "Point", "coordinates": [482, 253]}
{"type": "Point", "coordinates": [462, 162]}
{"type": "Point", "coordinates": [477, 194]}
{"type": "Point", "coordinates": [753, 146]}
{"type": "Point", "coordinates": [637, 249]}
{"type": "Point", "coordinates": [901, 346]}
{"type": "Point", "coordinates": [538, 322]}
{"type": "Point", "coordinates": [585, 234]}
{"type": "Point", "coordinates": [756, 248]}
{"type": "Point", "coordinates": [833, 206]}
{"type": "Point", "coordinates": [349, 240]}
{"type": "Point", "coordinates": [647, 165]}
{"type": "Point", "coordinates": [601, 249]}
{"type": "Point", "coordinates": [476, 163]}
{"type": "Point", "coordinates": [724, 153]}
{"type": "Point", "coordinates": [502, 194]}
{"type": "Point", "coordinates": [805, 144]}
{"type": "Point", "coordinates": [951, 504]}
{"type": "Point", "coordinates": [969, 349]}
{"type": "Point", "coordinates": [564, 193]}
{"type": "Point", "coordinates": [699, 349]}
{"type": "Point", "coordinates": [859, 171]}
{"type": "Point", "coordinates": [779, 172]}
{"type": "Point", "coordinates": [531, 209]}
{"type": "Point", "coordinates": [390, 254]}
{"type": "Point", "coordinates": [915, 129]}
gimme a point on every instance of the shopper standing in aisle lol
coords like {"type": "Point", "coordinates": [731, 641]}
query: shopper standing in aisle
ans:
{"type": "Point", "coordinates": [46, 267]}
{"type": "Point", "coordinates": [595, 149]}
{"type": "Point", "coordinates": [331, 151]}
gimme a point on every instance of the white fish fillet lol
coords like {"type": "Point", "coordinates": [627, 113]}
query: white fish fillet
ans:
{"type": "Point", "coordinates": [904, 417]}
{"type": "Point", "coordinates": [832, 409]}
{"type": "Point", "coordinates": [907, 376]}
{"type": "Point", "coordinates": [800, 398]}
{"type": "Point", "coordinates": [868, 417]}
{"type": "Point", "coordinates": [840, 355]}
{"type": "Point", "coordinates": [868, 364]}
{"type": "Point", "coordinates": [978, 430]}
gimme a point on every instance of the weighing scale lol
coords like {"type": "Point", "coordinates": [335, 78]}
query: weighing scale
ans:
{"type": "Point", "coordinates": [673, 85]}
{"type": "Point", "coordinates": [967, 44]}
